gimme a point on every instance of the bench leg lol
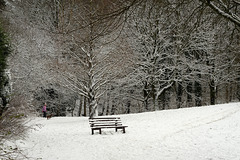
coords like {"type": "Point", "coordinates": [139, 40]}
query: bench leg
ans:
{"type": "Point", "coordinates": [99, 129]}
{"type": "Point", "coordinates": [123, 129]}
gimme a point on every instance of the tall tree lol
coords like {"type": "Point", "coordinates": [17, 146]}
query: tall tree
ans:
{"type": "Point", "coordinates": [4, 52]}
{"type": "Point", "coordinates": [226, 9]}
{"type": "Point", "coordinates": [91, 66]}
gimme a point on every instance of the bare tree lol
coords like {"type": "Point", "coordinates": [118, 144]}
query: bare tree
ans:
{"type": "Point", "coordinates": [226, 9]}
{"type": "Point", "coordinates": [91, 64]}
{"type": "Point", "coordinates": [173, 57]}
{"type": "Point", "coordinates": [32, 24]}
{"type": "Point", "coordinates": [82, 44]}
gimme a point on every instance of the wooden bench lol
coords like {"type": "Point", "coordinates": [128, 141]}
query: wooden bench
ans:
{"type": "Point", "coordinates": [100, 123]}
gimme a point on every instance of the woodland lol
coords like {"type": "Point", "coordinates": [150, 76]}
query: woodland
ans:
{"type": "Point", "coordinates": [108, 57]}
{"type": "Point", "coordinates": [103, 57]}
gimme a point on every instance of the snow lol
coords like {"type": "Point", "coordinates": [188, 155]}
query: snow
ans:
{"type": "Point", "coordinates": [199, 133]}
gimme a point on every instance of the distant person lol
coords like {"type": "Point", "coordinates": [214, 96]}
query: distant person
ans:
{"type": "Point", "coordinates": [44, 110]}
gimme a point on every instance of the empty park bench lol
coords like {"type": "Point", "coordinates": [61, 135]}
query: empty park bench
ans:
{"type": "Point", "coordinates": [100, 123]}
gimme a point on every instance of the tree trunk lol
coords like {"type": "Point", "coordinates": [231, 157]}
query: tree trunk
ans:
{"type": "Point", "coordinates": [93, 107]}
{"type": "Point", "coordinates": [189, 92]}
{"type": "Point", "coordinates": [162, 100]}
{"type": "Point", "coordinates": [231, 93]}
{"type": "Point", "coordinates": [198, 94]}
{"type": "Point", "coordinates": [227, 93]}
{"type": "Point", "coordinates": [103, 108]}
{"type": "Point", "coordinates": [145, 97]}
{"type": "Point", "coordinates": [179, 94]}
{"type": "Point", "coordinates": [113, 108]}
{"type": "Point", "coordinates": [84, 107]}
{"type": "Point", "coordinates": [153, 97]}
{"type": "Point", "coordinates": [212, 92]}
{"type": "Point", "coordinates": [107, 111]}
{"type": "Point", "coordinates": [128, 107]}
{"type": "Point", "coordinates": [80, 106]}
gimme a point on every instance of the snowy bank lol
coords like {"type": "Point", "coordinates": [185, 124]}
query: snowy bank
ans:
{"type": "Point", "coordinates": [200, 133]}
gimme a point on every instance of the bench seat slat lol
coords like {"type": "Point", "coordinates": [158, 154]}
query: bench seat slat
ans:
{"type": "Point", "coordinates": [106, 125]}
{"type": "Point", "coordinates": [113, 123]}
{"type": "Point", "coordinates": [99, 125]}
{"type": "Point", "coordinates": [104, 120]}
{"type": "Point", "coordinates": [109, 126]}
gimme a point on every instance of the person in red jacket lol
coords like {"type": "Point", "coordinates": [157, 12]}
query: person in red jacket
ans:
{"type": "Point", "coordinates": [44, 110]}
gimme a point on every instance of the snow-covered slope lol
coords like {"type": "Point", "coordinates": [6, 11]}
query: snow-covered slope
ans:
{"type": "Point", "coordinates": [201, 133]}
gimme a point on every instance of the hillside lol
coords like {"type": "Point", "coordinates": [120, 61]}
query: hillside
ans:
{"type": "Point", "coordinates": [200, 133]}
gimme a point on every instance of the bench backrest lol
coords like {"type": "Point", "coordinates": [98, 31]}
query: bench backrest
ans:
{"type": "Point", "coordinates": [105, 121]}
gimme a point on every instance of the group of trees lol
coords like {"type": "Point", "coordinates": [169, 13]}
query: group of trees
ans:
{"type": "Point", "coordinates": [124, 56]}
{"type": "Point", "coordinates": [104, 57]}
{"type": "Point", "coordinates": [4, 51]}
{"type": "Point", "coordinates": [183, 56]}
{"type": "Point", "coordinates": [12, 112]}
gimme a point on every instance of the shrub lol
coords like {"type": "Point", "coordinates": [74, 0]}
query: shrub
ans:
{"type": "Point", "coordinates": [13, 126]}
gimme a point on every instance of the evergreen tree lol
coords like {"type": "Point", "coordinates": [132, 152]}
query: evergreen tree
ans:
{"type": "Point", "coordinates": [2, 3]}
{"type": "Point", "coordinates": [4, 52]}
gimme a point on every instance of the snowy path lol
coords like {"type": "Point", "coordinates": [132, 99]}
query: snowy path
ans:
{"type": "Point", "coordinates": [202, 133]}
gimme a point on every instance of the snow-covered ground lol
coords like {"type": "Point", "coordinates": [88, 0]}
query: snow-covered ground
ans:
{"type": "Point", "coordinates": [200, 133]}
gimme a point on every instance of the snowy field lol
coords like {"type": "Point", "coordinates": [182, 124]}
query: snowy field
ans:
{"type": "Point", "coordinates": [200, 133]}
